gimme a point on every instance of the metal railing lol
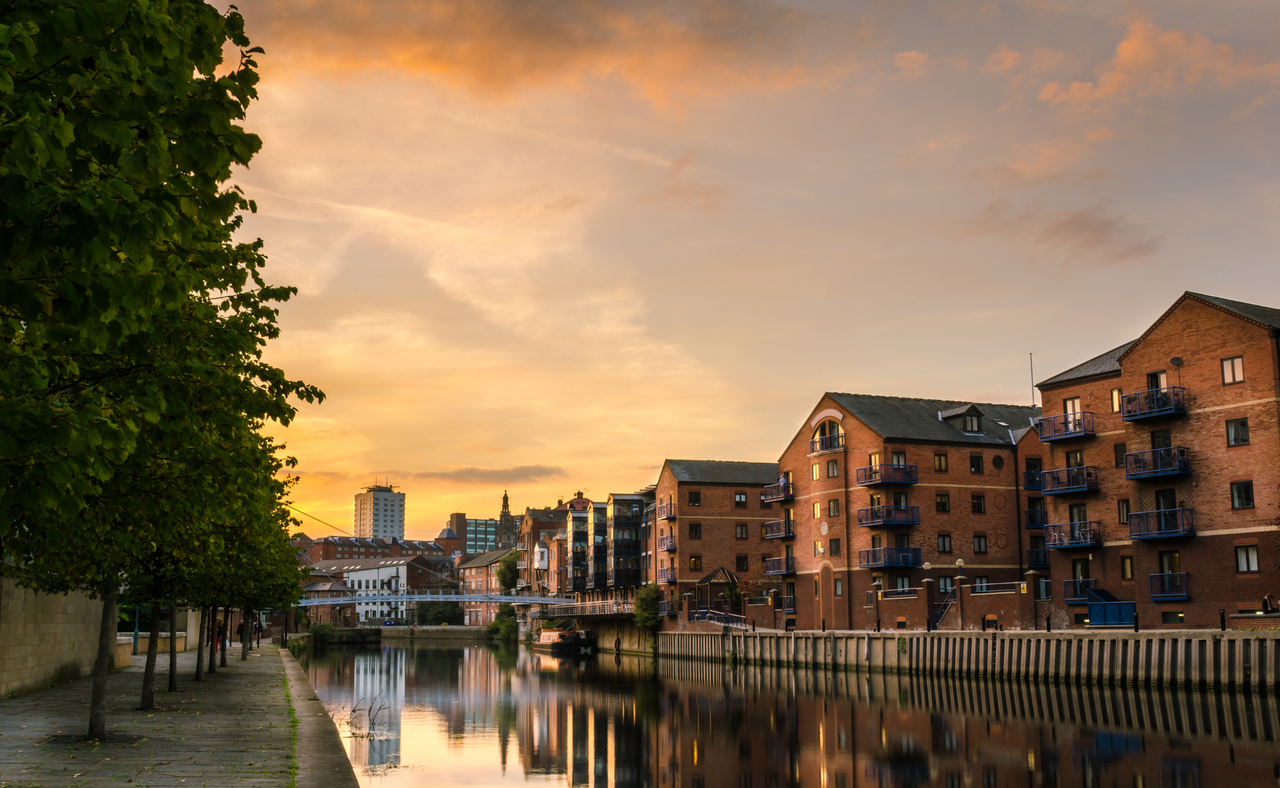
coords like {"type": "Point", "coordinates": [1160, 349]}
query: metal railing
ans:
{"type": "Point", "coordinates": [719, 617]}
{"type": "Point", "coordinates": [1064, 426]}
{"type": "Point", "coordinates": [943, 605]}
{"type": "Point", "coordinates": [780, 566]}
{"type": "Point", "coordinates": [1037, 518]}
{"type": "Point", "coordinates": [1169, 587]}
{"type": "Point", "coordinates": [667, 574]}
{"type": "Point", "coordinates": [1167, 401]}
{"type": "Point", "coordinates": [779, 529]}
{"type": "Point", "coordinates": [1162, 523]}
{"type": "Point", "coordinates": [777, 492]}
{"type": "Point", "coordinates": [889, 556]}
{"type": "Point", "coordinates": [1031, 480]}
{"type": "Point", "coordinates": [1073, 591]}
{"type": "Point", "coordinates": [889, 515]}
{"type": "Point", "coordinates": [886, 474]}
{"type": "Point", "coordinates": [995, 588]}
{"type": "Point", "coordinates": [1081, 534]}
{"type": "Point", "coordinates": [1154, 463]}
{"type": "Point", "coordinates": [788, 604]}
{"type": "Point", "coordinates": [826, 443]}
{"type": "Point", "coordinates": [1069, 480]}
{"type": "Point", "coordinates": [583, 609]}
{"type": "Point", "coordinates": [666, 608]}
{"type": "Point", "coordinates": [900, 593]}
{"type": "Point", "coordinates": [666, 511]}
{"type": "Point", "coordinates": [667, 544]}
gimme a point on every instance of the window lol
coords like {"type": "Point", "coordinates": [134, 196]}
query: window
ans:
{"type": "Point", "coordinates": [940, 463]}
{"type": "Point", "coordinates": [1075, 459]}
{"type": "Point", "coordinates": [1122, 509]}
{"type": "Point", "coordinates": [740, 531]}
{"type": "Point", "coordinates": [1161, 439]}
{"type": "Point", "coordinates": [834, 544]}
{"type": "Point", "coordinates": [833, 507]}
{"type": "Point", "coordinates": [839, 586]}
{"type": "Point", "coordinates": [1232, 370]}
{"type": "Point", "coordinates": [833, 469]}
{"type": "Point", "coordinates": [816, 588]}
{"type": "Point", "coordinates": [997, 462]}
{"type": "Point", "coordinates": [980, 543]}
{"type": "Point", "coordinates": [942, 502]}
{"type": "Point", "coordinates": [817, 471]}
{"type": "Point", "coordinates": [1116, 394]}
{"type": "Point", "coordinates": [1126, 567]}
{"type": "Point", "coordinates": [695, 530]}
{"type": "Point", "coordinates": [817, 510]}
{"type": "Point", "coordinates": [740, 500]}
{"type": "Point", "coordinates": [764, 531]}
{"type": "Point", "coordinates": [817, 547]}
{"type": "Point", "coordinates": [973, 424]}
{"type": "Point", "coordinates": [980, 583]}
{"type": "Point", "coordinates": [1247, 558]}
{"type": "Point", "coordinates": [1078, 512]}
{"type": "Point", "coordinates": [946, 584]}
{"type": "Point", "coordinates": [764, 504]}
{"type": "Point", "coordinates": [1242, 495]}
{"type": "Point", "coordinates": [1171, 617]}
{"type": "Point", "coordinates": [1121, 449]}
{"type": "Point", "coordinates": [979, 503]}
{"type": "Point", "coordinates": [740, 563]}
{"type": "Point", "coordinates": [1237, 432]}
{"type": "Point", "coordinates": [695, 562]}
{"type": "Point", "coordinates": [944, 543]}
{"type": "Point", "coordinates": [975, 463]}
{"type": "Point", "coordinates": [695, 498]}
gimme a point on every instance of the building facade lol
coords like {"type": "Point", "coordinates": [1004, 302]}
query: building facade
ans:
{"type": "Point", "coordinates": [377, 581]}
{"type": "Point", "coordinates": [379, 513]}
{"type": "Point", "coordinates": [480, 576]}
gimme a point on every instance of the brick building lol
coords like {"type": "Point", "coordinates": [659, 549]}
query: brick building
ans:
{"type": "Point", "coordinates": [1162, 470]}
{"type": "Point", "coordinates": [377, 581]}
{"type": "Point", "coordinates": [331, 548]}
{"type": "Point", "coordinates": [707, 515]}
{"type": "Point", "coordinates": [536, 527]}
{"type": "Point", "coordinates": [479, 575]}
{"type": "Point", "coordinates": [895, 490]}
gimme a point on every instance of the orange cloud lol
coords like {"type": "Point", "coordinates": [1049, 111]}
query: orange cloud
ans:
{"type": "Point", "coordinates": [662, 50]}
{"type": "Point", "coordinates": [1153, 61]}
{"type": "Point", "coordinates": [680, 186]}
{"type": "Point", "coordinates": [1088, 234]}
{"type": "Point", "coordinates": [1047, 160]}
{"type": "Point", "coordinates": [1003, 59]}
{"type": "Point", "coordinates": [912, 64]}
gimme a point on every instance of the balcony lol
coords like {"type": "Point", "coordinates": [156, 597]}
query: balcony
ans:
{"type": "Point", "coordinates": [889, 515]}
{"type": "Point", "coordinates": [780, 566]}
{"type": "Point", "coordinates": [788, 604]}
{"type": "Point", "coordinates": [887, 474]}
{"type": "Point", "coordinates": [667, 544]}
{"type": "Point", "coordinates": [777, 492]}
{"type": "Point", "coordinates": [666, 511]}
{"type": "Point", "coordinates": [1031, 480]}
{"type": "Point", "coordinates": [1169, 587]}
{"type": "Point", "coordinates": [522, 564]}
{"type": "Point", "coordinates": [900, 593]}
{"type": "Point", "coordinates": [1082, 534]}
{"type": "Point", "coordinates": [1168, 401]}
{"type": "Point", "coordinates": [826, 443]}
{"type": "Point", "coordinates": [1038, 559]}
{"type": "Point", "coordinates": [1163, 523]}
{"type": "Point", "coordinates": [1156, 463]}
{"type": "Point", "coordinates": [1065, 427]}
{"type": "Point", "coordinates": [889, 556]}
{"type": "Point", "coordinates": [668, 608]}
{"type": "Point", "coordinates": [1011, 587]}
{"type": "Point", "coordinates": [779, 529]}
{"type": "Point", "coordinates": [667, 574]}
{"type": "Point", "coordinates": [1073, 591]}
{"type": "Point", "coordinates": [1070, 480]}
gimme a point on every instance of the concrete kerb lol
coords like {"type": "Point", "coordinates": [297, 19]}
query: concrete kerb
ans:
{"type": "Point", "coordinates": [321, 758]}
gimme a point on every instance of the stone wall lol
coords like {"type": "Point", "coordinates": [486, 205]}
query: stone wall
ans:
{"type": "Point", "coordinates": [44, 639]}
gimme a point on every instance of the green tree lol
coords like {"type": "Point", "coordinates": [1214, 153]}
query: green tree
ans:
{"type": "Point", "coordinates": [645, 610]}
{"type": "Point", "coordinates": [508, 573]}
{"type": "Point", "coordinates": [434, 614]}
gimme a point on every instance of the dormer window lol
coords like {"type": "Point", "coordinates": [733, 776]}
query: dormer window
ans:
{"type": "Point", "coordinates": [973, 424]}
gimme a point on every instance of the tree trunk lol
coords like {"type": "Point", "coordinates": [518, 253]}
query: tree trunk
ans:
{"type": "Point", "coordinates": [149, 674]}
{"type": "Point", "coordinates": [246, 636]}
{"type": "Point", "coordinates": [213, 639]}
{"type": "Point", "coordinates": [102, 665]}
{"type": "Point", "coordinates": [201, 636]}
{"type": "Point", "coordinates": [173, 645]}
{"type": "Point", "coordinates": [226, 635]}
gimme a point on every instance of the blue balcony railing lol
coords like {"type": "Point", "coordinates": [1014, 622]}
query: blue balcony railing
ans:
{"type": "Point", "coordinates": [1163, 523]}
{"type": "Point", "coordinates": [667, 574]}
{"type": "Point", "coordinates": [1070, 480]}
{"type": "Point", "coordinates": [777, 492]}
{"type": "Point", "coordinates": [1082, 534]}
{"type": "Point", "coordinates": [1168, 401]}
{"type": "Point", "coordinates": [668, 608]}
{"type": "Point", "coordinates": [889, 515]}
{"type": "Point", "coordinates": [1073, 591]}
{"type": "Point", "coordinates": [1037, 518]}
{"type": "Point", "coordinates": [1154, 463]}
{"type": "Point", "coordinates": [1169, 587]}
{"type": "Point", "coordinates": [779, 529]}
{"type": "Point", "coordinates": [780, 566]}
{"type": "Point", "coordinates": [1031, 480]}
{"type": "Point", "coordinates": [1038, 559]}
{"type": "Point", "coordinates": [1065, 426]}
{"type": "Point", "coordinates": [826, 443]}
{"type": "Point", "coordinates": [667, 544]}
{"type": "Point", "coordinates": [666, 511]}
{"type": "Point", "coordinates": [788, 604]}
{"type": "Point", "coordinates": [887, 474]}
{"type": "Point", "coordinates": [900, 593]}
{"type": "Point", "coordinates": [889, 556]}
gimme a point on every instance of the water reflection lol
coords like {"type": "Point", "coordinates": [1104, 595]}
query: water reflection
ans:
{"type": "Point", "coordinates": [466, 715]}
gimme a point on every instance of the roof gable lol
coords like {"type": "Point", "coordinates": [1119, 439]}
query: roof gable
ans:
{"type": "Point", "coordinates": [722, 472]}
{"type": "Point", "coordinates": [1263, 316]}
{"type": "Point", "coordinates": [909, 418]}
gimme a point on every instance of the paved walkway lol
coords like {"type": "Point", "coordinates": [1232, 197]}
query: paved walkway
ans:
{"type": "Point", "coordinates": [232, 729]}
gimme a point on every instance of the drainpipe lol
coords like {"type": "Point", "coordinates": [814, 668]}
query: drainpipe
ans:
{"type": "Point", "coordinates": [849, 513]}
{"type": "Point", "coordinates": [1017, 500]}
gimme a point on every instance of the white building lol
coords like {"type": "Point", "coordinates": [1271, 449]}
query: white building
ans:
{"type": "Point", "coordinates": [380, 513]}
{"type": "Point", "coordinates": [375, 582]}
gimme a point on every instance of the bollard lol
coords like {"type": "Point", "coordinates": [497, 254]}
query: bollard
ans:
{"type": "Point", "coordinates": [877, 623]}
{"type": "Point", "coordinates": [1135, 621]}
{"type": "Point", "coordinates": [984, 623]}
{"type": "Point", "coordinates": [1048, 623]}
{"type": "Point", "coordinates": [1222, 618]}
{"type": "Point", "coordinates": [824, 625]}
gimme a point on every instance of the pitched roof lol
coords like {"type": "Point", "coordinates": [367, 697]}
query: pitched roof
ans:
{"type": "Point", "coordinates": [723, 471]}
{"type": "Point", "coordinates": [1258, 314]}
{"type": "Point", "coordinates": [362, 564]}
{"type": "Point", "coordinates": [918, 419]}
{"type": "Point", "coordinates": [332, 586]}
{"type": "Point", "coordinates": [1098, 365]}
{"type": "Point", "coordinates": [485, 559]}
{"type": "Point", "coordinates": [718, 575]}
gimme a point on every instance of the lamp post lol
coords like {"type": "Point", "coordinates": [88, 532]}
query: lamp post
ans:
{"type": "Point", "coordinates": [960, 596]}
{"type": "Point", "coordinates": [875, 589]}
{"type": "Point", "coordinates": [928, 598]}
{"type": "Point", "coordinates": [1033, 584]}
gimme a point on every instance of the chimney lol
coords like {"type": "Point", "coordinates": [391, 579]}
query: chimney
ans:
{"type": "Point", "coordinates": [559, 502]}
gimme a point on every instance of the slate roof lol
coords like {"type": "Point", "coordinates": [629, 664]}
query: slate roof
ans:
{"type": "Point", "coordinates": [361, 564]}
{"type": "Point", "coordinates": [718, 575]}
{"type": "Point", "coordinates": [485, 559]}
{"type": "Point", "coordinates": [332, 587]}
{"type": "Point", "coordinates": [917, 419]}
{"type": "Point", "coordinates": [1098, 365]}
{"type": "Point", "coordinates": [1259, 314]}
{"type": "Point", "coordinates": [723, 472]}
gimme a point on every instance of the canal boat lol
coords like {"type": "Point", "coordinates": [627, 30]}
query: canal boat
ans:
{"type": "Point", "coordinates": [562, 643]}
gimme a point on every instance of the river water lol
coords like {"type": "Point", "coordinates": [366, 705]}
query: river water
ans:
{"type": "Point", "coordinates": [466, 715]}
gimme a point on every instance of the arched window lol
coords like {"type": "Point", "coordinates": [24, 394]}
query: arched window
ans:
{"type": "Point", "coordinates": [827, 436]}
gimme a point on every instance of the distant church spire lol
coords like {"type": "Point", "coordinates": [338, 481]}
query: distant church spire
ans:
{"type": "Point", "coordinates": [506, 505]}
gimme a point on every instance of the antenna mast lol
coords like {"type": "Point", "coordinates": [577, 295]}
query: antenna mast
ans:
{"type": "Point", "coordinates": [1031, 359]}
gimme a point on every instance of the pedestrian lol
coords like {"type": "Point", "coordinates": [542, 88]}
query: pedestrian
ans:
{"type": "Point", "coordinates": [240, 632]}
{"type": "Point", "coordinates": [257, 630]}
{"type": "Point", "coordinates": [222, 633]}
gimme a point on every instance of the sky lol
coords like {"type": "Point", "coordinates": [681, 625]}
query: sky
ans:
{"type": "Point", "coordinates": [542, 245]}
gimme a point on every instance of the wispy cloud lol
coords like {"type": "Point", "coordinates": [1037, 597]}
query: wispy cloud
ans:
{"type": "Point", "coordinates": [1089, 234]}
{"type": "Point", "coordinates": [516, 475]}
